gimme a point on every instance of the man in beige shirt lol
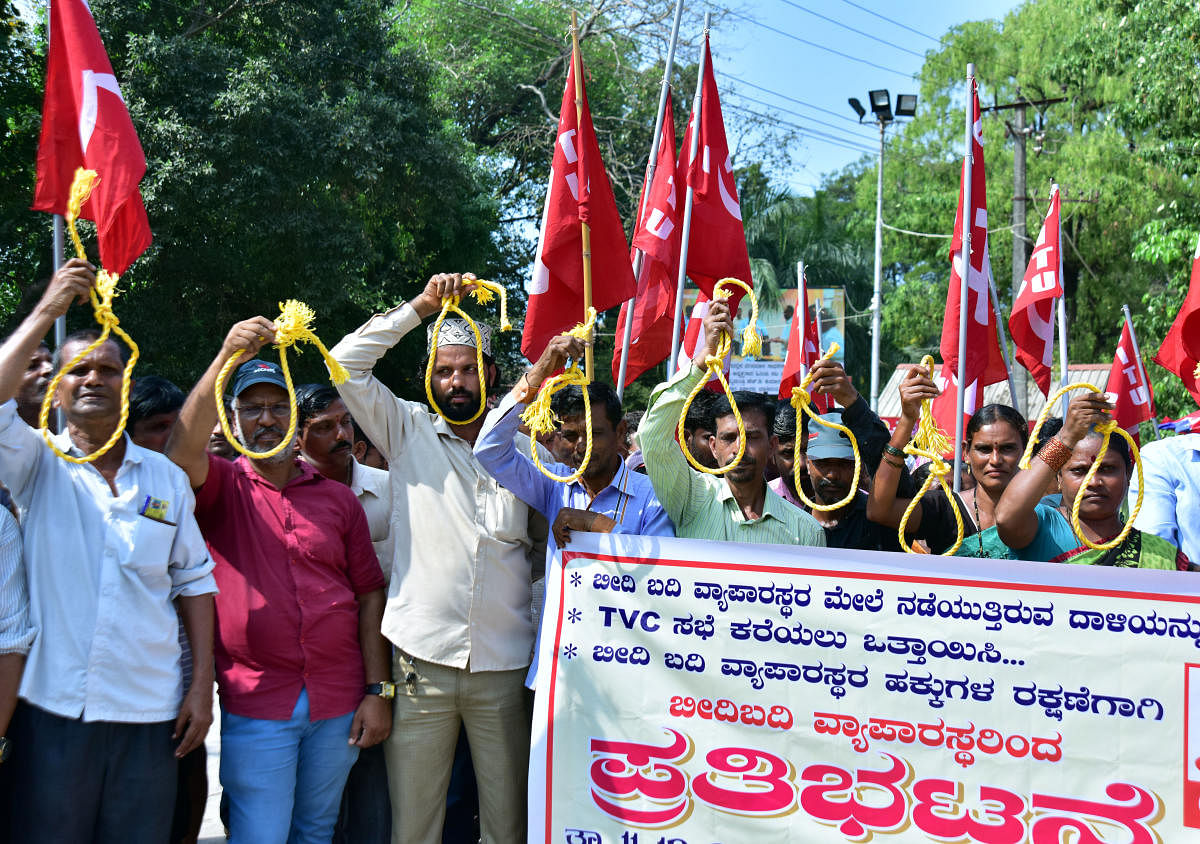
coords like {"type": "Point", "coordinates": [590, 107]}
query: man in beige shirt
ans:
{"type": "Point", "coordinates": [459, 597]}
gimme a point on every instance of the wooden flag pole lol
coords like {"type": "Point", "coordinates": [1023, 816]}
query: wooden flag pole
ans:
{"type": "Point", "coordinates": [964, 273]}
{"type": "Point", "coordinates": [585, 230]}
{"type": "Point", "coordinates": [651, 166]}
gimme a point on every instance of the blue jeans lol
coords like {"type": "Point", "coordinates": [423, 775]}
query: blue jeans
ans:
{"type": "Point", "coordinates": [284, 778]}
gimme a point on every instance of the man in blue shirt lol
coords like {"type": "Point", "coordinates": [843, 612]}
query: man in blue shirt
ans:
{"type": "Point", "coordinates": [608, 498]}
{"type": "Point", "coordinates": [1172, 494]}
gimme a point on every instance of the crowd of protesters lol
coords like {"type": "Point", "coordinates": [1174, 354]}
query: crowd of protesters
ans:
{"type": "Point", "coordinates": [365, 591]}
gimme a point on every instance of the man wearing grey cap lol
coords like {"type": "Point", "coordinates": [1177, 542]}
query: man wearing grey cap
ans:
{"type": "Point", "coordinates": [458, 608]}
{"type": "Point", "coordinates": [831, 469]}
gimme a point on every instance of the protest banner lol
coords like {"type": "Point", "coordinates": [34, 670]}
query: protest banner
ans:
{"type": "Point", "coordinates": [698, 692]}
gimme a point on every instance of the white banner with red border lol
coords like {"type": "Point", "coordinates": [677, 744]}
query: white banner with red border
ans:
{"type": "Point", "coordinates": [702, 692]}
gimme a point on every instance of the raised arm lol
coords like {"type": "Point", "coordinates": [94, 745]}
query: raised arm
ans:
{"type": "Point", "coordinates": [187, 447]}
{"type": "Point", "coordinates": [495, 449]}
{"type": "Point", "coordinates": [369, 401]}
{"type": "Point", "coordinates": [675, 484]}
{"type": "Point", "coordinates": [883, 505]}
{"type": "Point", "coordinates": [829, 378]}
{"type": "Point", "coordinates": [1016, 522]}
{"type": "Point", "coordinates": [70, 284]}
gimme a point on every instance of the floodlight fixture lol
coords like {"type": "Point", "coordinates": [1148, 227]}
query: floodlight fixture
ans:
{"type": "Point", "coordinates": [906, 105]}
{"type": "Point", "coordinates": [858, 108]}
{"type": "Point", "coordinates": [881, 104]}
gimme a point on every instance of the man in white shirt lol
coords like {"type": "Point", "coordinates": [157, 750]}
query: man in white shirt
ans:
{"type": "Point", "coordinates": [114, 558]}
{"type": "Point", "coordinates": [458, 608]}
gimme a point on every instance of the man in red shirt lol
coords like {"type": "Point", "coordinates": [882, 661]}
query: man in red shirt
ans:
{"type": "Point", "coordinates": [301, 663]}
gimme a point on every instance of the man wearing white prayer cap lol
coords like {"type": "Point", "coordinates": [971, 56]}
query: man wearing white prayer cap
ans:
{"type": "Point", "coordinates": [458, 608]}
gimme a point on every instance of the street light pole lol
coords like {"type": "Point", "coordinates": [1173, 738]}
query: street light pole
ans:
{"type": "Point", "coordinates": [881, 107]}
{"type": "Point", "coordinates": [877, 295]}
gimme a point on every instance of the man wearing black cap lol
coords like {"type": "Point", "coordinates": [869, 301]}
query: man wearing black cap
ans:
{"type": "Point", "coordinates": [301, 666]}
{"type": "Point", "coordinates": [458, 609]}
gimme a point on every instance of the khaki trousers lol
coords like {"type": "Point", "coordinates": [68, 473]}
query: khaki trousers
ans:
{"type": "Point", "coordinates": [426, 716]}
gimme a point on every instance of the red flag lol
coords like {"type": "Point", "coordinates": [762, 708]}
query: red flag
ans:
{"type": "Point", "coordinates": [691, 335]}
{"type": "Point", "coordinates": [1135, 399]}
{"type": "Point", "coordinates": [717, 245]}
{"type": "Point", "coordinates": [1180, 349]}
{"type": "Point", "coordinates": [1032, 320]}
{"type": "Point", "coordinates": [85, 124]}
{"type": "Point", "coordinates": [802, 354]}
{"type": "Point", "coordinates": [657, 235]}
{"type": "Point", "coordinates": [579, 192]}
{"type": "Point", "coordinates": [984, 362]}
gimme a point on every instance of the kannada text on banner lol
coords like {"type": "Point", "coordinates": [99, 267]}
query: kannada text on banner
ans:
{"type": "Point", "coordinates": [697, 692]}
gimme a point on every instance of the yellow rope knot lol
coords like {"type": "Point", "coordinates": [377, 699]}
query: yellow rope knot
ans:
{"type": "Point", "coordinates": [1106, 430]}
{"type": "Point", "coordinates": [930, 443]}
{"type": "Point", "coordinates": [101, 295]}
{"type": "Point", "coordinates": [714, 366]}
{"type": "Point", "coordinates": [802, 402]}
{"type": "Point", "coordinates": [483, 292]}
{"type": "Point", "coordinates": [541, 419]}
{"type": "Point", "coordinates": [292, 326]}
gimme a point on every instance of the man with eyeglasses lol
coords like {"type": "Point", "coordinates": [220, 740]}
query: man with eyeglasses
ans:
{"type": "Point", "coordinates": [300, 661]}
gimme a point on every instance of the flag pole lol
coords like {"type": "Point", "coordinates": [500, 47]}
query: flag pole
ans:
{"type": "Point", "coordinates": [589, 364]}
{"type": "Point", "coordinates": [639, 257]}
{"type": "Point", "coordinates": [1061, 307]}
{"type": "Point", "coordinates": [1137, 353]}
{"type": "Point", "coordinates": [1008, 368]}
{"type": "Point", "coordinates": [687, 209]}
{"type": "Point", "coordinates": [60, 324]}
{"type": "Point", "coordinates": [963, 275]}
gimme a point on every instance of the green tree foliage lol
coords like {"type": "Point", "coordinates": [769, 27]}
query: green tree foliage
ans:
{"type": "Point", "coordinates": [292, 151]}
{"type": "Point", "coordinates": [1121, 146]}
{"type": "Point", "coordinates": [25, 249]}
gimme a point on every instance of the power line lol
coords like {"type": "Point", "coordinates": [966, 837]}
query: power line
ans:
{"type": "Point", "coordinates": [852, 29]}
{"type": "Point", "coordinates": [811, 134]}
{"type": "Point", "coordinates": [866, 147]}
{"type": "Point", "coordinates": [792, 99]}
{"type": "Point", "coordinates": [889, 20]}
{"type": "Point", "coordinates": [818, 46]}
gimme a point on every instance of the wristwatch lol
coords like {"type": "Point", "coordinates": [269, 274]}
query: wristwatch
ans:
{"type": "Point", "coordinates": [385, 690]}
{"type": "Point", "coordinates": [5, 748]}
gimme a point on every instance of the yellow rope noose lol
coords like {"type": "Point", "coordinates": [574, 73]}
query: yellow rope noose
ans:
{"type": "Point", "coordinates": [483, 293]}
{"type": "Point", "coordinates": [802, 402]}
{"type": "Point", "coordinates": [931, 444]}
{"type": "Point", "coordinates": [102, 296]}
{"type": "Point", "coordinates": [293, 325]}
{"type": "Point", "coordinates": [542, 420]}
{"type": "Point", "coordinates": [1106, 430]}
{"type": "Point", "coordinates": [715, 365]}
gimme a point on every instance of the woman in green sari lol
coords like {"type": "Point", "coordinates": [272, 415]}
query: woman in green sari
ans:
{"type": "Point", "coordinates": [1034, 530]}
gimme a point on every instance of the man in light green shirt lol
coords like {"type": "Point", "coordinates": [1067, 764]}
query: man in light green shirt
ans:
{"type": "Point", "coordinates": [736, 507]}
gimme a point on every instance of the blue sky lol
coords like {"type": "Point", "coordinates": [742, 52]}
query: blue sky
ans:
{"type": "Point", "coordinates": [750, 56]}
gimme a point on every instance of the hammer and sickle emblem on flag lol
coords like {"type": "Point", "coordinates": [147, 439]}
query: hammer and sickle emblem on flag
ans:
{"type": "Point", "coordinates": [92, 82]}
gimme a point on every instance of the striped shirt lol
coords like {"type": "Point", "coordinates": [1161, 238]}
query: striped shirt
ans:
{"type": "Point", "coordinates": [702, 506]}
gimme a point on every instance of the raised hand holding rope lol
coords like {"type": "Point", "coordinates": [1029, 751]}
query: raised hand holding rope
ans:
{"type": "Point", "coordinates": [930, 443]}
{"type": "Point", "coordinates": [293, 325]}
{"type": "Point", "coordinates": [802, 402]}
{"type": "Point", "coordinates": [715, 365]}
{"type": "Point", "coordinates": [102, 296]}
{"type": "Point", "coordinates": [483, 292]}
{"type": "Point", "coordinates": [542, 420]}
{"type": "Point", "coordinates": [1106, 431]}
